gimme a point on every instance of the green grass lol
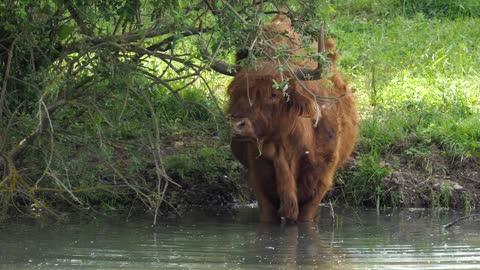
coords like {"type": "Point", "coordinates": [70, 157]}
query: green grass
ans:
{"type": "Point", "coordinates": [415, 67]}
{"type": "Point", "coordinates": [407, 8]}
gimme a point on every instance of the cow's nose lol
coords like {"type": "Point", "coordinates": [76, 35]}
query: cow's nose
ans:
{"type": "Point", "coordinates": [240, 125]}
{"type": "Point", "coordinates": [243, 127]}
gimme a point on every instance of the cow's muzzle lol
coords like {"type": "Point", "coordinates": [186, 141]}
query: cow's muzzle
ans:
{"type": "Point", "coordinates": [243, 127]}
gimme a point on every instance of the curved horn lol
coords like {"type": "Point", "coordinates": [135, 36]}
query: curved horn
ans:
{"type": "Point", "coordinates": [308, 74]}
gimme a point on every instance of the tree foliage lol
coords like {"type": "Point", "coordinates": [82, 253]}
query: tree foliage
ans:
{"type": "Point", "coordinates": [74, 73]}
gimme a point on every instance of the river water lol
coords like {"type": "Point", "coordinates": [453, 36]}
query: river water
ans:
{"type": "Point", "coordinates": [354, 239]}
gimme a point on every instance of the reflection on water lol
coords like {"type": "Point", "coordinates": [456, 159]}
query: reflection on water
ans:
{"type": "Point", "coordinates": [358, 239]}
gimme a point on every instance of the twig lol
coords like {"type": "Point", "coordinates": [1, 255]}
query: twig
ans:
{"type": "Point", "coordinates": [160, 168]}
{"type": "Point", "coordinates": [181, 77]}
{"type": "Point", "coordinates": [235, 12]}
{"type": "Point", "coordinates": [6, 129]}
{"type": "Point", "coordinates": [169, 65]}
{"type": "Point", "coordinates": [3, 164]}
{"type": "Point", "coordinates": [137, 191]}
{"type": "Point", "coordinates": [186, 85]}
{"type": "Point", "coordinates": [6, 77]}
{"type": "Point", "coordinates": [125, 101]}
{"type": "Point", "coordinates": [168, 41]}
{"type": "Point", "coordinates": [62, 185]}
{"type": "Point", "coordinates": [359, 222]}
{"type": "Point", "coordinates": [162, 82]}
{"type": "Point", "coordinates": [124, 38]}
{"type": "Point", "coordinates": [26, 141]}
{"type": "Point", "coordinates": [316, 98]}
{"type": "Point", "coordinates": [162, 176]}
{"type": "Point", "coordinates": [471, 179]}
{"type": "Point", "coordinates": [217, 65]}
{"type": "Point", "coordinates": [212, 95]}
{"type": "Point", "coordinates": [351, 219]}
{"type": "Point", "coordinates": [332, 212]}
{"type": "Point", "coordinates": [448, 225]}
{"type": "Point", "coordinates": [75, 190]}
{"type": "Point", "coordinates": [50, 156]}
{"type": "Point", "coordinates": [78, 19]}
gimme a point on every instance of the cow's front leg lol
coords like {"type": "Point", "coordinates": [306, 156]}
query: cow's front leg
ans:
{"type": "Point", "coordinates": [261, 176]}
{"type": "Point", "coordinates": [286, 187]}
{"type": "Point", "coordinates": [266, 209]}
{"type": "Point", "coordinates": [309, 209]}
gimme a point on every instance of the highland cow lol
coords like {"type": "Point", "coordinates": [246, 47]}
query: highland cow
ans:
{"type": "Point", "coordinates": [292, 127]}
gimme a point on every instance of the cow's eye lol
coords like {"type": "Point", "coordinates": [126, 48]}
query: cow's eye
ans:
{"type": "Point", "coordinates": [274, 94]}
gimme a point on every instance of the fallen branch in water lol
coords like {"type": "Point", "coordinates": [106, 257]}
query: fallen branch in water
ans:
{"type": "Point", "coordinates": [332, 212]}
{"type": "Point", "coordinates": [446, 226]}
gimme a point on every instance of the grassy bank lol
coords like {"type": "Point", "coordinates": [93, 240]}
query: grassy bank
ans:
{"type": "Point", "coordinates": [418, 93]}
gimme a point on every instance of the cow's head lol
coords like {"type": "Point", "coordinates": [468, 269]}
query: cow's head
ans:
{"type": "Point", "coordinates": [262, 106]}
{"type": "Point", "coordinates": [265, 101]}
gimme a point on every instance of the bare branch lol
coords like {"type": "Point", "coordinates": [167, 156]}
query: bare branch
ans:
{"type": "Point", "coordinates": [163, 56]}
{"type": "Point", "coordinates": [65, 188]}
{"type": "Point", "coordinates": [162, 82]}
{"type": "Point", "coordinates": [43, 121]}
{"type": "Point", "coordinates": [182, 77]}
{"type": "Point", "coordinates": [168, 41]}
{"type": "Point", "coordinates": [41, 107]}
{"type": "Point", "coordinates": [6, 128]}
{"type": "Point", "coordinates": [22, 145]}
{"type": "Point", "coordinates": [6, 78]}
{"type": "Point", "coordinates": [448, 225]}
{"type": "Point", "coordinates": [218, 65]}
{"type": "Point", "coordinates": [78, 19]}
{"type": "Point", "coordinates": [235, 12]}
{"type": "Point", "coordinates": [212, 95]}
{"type": "Point", "coordinates": [186, 85]}
{"type": "Point", "coordinates": [162, 176]}
{"type": "Point", "coordinates": [125, 38]}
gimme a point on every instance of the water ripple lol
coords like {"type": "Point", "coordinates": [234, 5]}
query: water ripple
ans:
{"type": "Point", "coordinates": [390, 241]}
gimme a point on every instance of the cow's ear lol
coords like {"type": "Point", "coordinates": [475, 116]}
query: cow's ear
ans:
{"type": "Point", "coordinates": [302, 103]}
{"type": "Point", "coordinates": [332, 48]}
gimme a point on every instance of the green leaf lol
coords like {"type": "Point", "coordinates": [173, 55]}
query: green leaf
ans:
{"type": "Point", "coordinates": [65, 31]}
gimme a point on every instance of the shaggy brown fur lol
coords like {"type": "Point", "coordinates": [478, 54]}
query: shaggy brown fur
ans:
{"type": "Point", "coordinates": [290, 160]}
